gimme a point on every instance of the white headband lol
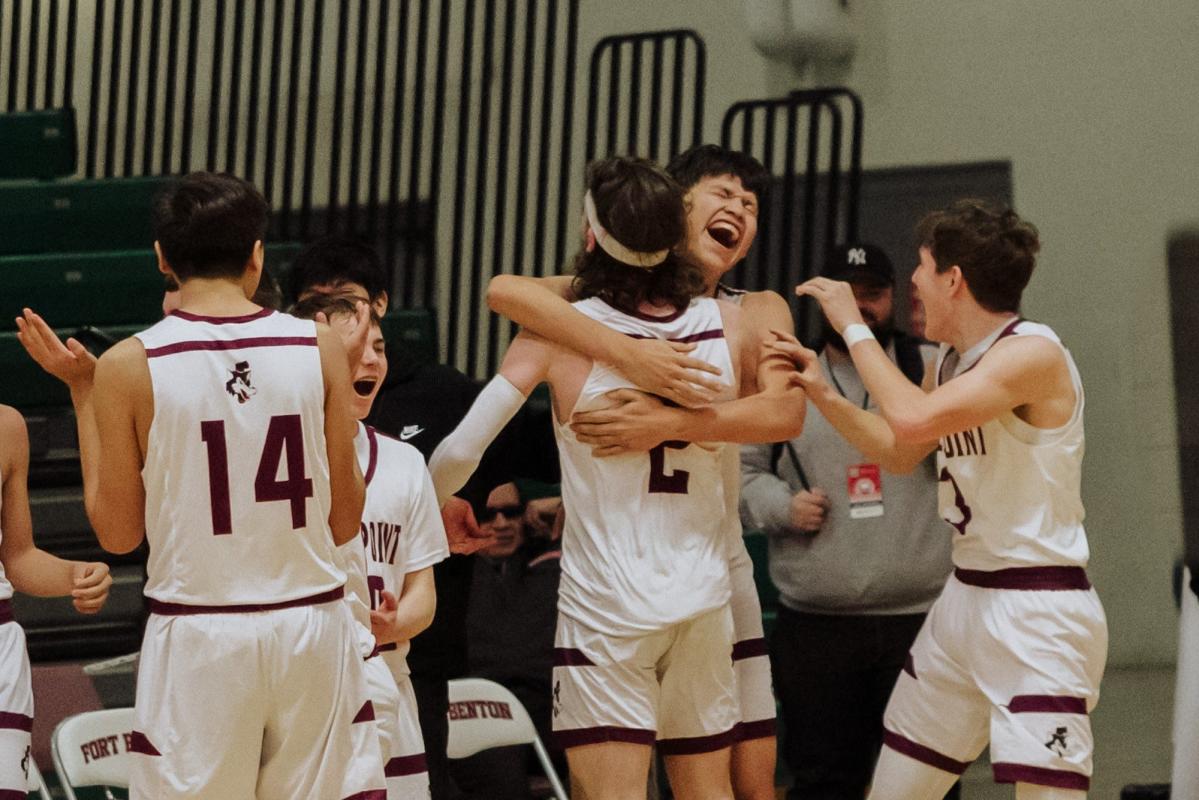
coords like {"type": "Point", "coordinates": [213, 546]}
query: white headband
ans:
{"type": "Point", "coordinates": [614, 248]}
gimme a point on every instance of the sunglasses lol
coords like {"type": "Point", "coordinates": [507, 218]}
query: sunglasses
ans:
{"type": "Point", "coordinates": [489, 513]}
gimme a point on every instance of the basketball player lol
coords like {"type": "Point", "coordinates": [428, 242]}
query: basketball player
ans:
{"type": "Point", "coordinates": [390, 565]}
{"type": "Point", "coordinates": [1014, 648]}
{"type": "Point", "coordinates": [644, 627]}
{"type": "Point", "coordinates": [723, 188]}
{"type": "Point", "coordinates": [25, 568]}
{"type": "Point", "coordinates": [223, 434]}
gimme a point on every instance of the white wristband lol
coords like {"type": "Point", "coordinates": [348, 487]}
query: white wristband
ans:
{"type": "Point", "coordinates": [855, 333]}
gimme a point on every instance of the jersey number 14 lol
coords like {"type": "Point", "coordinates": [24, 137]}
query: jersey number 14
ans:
{"type": "Point", "coordinates": [284, 438]}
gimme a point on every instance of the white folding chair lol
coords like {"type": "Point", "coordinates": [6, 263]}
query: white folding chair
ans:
{"type": "Point", "coordinates": [37, 784]}
{"type": "Point", "coordinates": [483, 715]}
{"type": "Point", "coordinates": [89, 749]}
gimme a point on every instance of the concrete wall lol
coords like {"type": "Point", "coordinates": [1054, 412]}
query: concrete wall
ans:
{"type": "Point", "coordinates": [1088, 100]}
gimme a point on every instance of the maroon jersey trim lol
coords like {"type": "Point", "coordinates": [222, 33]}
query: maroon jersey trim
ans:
{"type": "Point", "coordinates": [695, 745]}
{"type": "Point", "coordinates": [15, 722]}
{"type": "Point", "coordinates": [373, 459]}
{"type": "Point", "coordinates": [713, 333]}
{"type": "Point", "coordinates": [925, 755]}
{"type": "Point", "coordinates": [1047, 704]}
{"type": "Point", "coordinates": [190, 317]}
{"type": "Point", "coordinates": [369, 794]}
{"type": "Point", "coordinates": [1040, 776]}
{"type": "Point", "coordinates": [139, 743]}
{"type": "Point", "coordinates": [6, 612]}
{"type": "Point", "coordinates": [571, 657]}
{"type": "Point", "coordinates": [230, 344]}
{"type": "Point", "coordinates": [1052, 579]}
{"type": "Point", "coordinates": [758, 729]}
{"type": "Point", "coordinates": [749, 648]}
{"type": "Point", "coordinates": [180, 609]}
{"type": "Point", "coordinates": [651, 318]}
{"type": "Point", "coordinates": [402, 766]}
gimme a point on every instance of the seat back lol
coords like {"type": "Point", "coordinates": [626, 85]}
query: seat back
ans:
{"type": "Point", "coordinates": [484, 714]}
{"type": "Point", "coordinates": [92, 749]}
{"type": "Point", "coordinates": [38, 144]}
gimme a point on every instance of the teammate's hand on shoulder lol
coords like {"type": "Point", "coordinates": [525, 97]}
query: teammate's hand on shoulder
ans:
{"type": "Point", "coordinates": [836, 301]}
{"type": "Point", "coordinates": [664, 368]}
{"type": "Point", "coordinates": [809, 510]}
{"type": "Point", "coordinates": [383, 618]}
{"type": "Point", "coordinates": [635, 423]}
{"type": "Point", "coordinates": [462, 531]}
{"type": "Point", "coordinates": [90, 581]}
{"type": "Point", "coordinates": [70, 363]}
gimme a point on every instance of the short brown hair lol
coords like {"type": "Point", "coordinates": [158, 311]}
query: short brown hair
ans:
{"type": "Point", "coordinates": [331, 305]}
{"type": "Point", "coordinates": [207, 224]}
{"type": "Point", "coordinates": [994, 248]}
{"type": "Point", "coordinates": [642, 207]}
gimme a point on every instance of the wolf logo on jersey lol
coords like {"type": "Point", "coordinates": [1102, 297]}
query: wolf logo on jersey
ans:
{"type": "Point", "coordinates": [239, 385]}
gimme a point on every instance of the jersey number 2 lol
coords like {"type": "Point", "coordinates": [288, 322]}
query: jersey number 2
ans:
{"type": "Point", "coordinates": [284, 438]}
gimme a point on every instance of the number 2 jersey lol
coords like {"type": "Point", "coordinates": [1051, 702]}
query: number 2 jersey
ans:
{"type": "Point", "coordinates": [236, 472]}
{"type": "Point", "coordinates": [643, 545]}
{"type": "Point", "coordinates": [1011, 491]}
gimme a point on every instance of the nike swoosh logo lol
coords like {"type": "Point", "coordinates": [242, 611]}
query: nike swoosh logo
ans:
{"type": "Point", "coordinates": [410, 431]}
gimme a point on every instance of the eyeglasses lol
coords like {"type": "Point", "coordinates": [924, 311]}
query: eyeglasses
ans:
{"type": "Point", "coordinates": [489, 513]}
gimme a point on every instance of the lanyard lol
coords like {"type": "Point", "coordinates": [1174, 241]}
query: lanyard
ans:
{"type": "Point", "coordinates": [833, 376]}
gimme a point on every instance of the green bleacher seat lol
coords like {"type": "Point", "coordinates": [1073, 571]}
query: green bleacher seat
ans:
{"type": "Point", "coordinates": [38, 144]}
{"type": "Point", "coordinates": [768, 595]}
{"type": "Point", "coordinates": [77, 216]}
{"type": "Point", "coordinates": [415, 330]}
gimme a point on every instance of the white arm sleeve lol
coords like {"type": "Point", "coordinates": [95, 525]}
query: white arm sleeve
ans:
{"type": "Point", "coordinates": [458, 455]}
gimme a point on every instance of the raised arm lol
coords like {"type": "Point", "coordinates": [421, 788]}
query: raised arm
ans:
{"type": "Point", "coordinates": [542, 306]}
{"type": "Point", "coordinates": [347, 490]}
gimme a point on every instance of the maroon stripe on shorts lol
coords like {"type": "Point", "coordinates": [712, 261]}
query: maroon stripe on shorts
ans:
{"type": "Point", "coordinates": [758, 729]}
{"type": "Point", "coordinates": [1040, 776]}
{"type": "Point", "coordinates": [577, 737]}
{"type": "Point", "coordinates": [1047, 704]}
{"type": "Point", "coordinates": [179, 609]}
{"type": "Point", "coordinates": [373, 460]}
{"type": "Point", "coordinates": [369, 794]}
{"type": "Point", "coordinates": [6, 612]}
{"type": "Point", "coordinates": [695, 745]}
{"type": "Point", "coordinates": [749, 648]}
{"type": "Point", "coordinates": [405, 765]}
{"type": "Point", "coordinates": [571, 657]}
{"type": "Point", "coordinates": [13, 794]}
{"type": "Point", "coordinates": [15, 722]}
{"type": "Point", "coordinates": [230, 344]}
{"type": "Point", "coordinates": [925, 755]}
{"type": "Point", "coordinates": [365, 714]}
{"type": "Point", "coordinates": [1053, 579]}
{"type": "Point", "coordinates": [190, 317]}
{"type": "Point", "coordinates": [909, 666]}
{"type": "Point", "coordinates": [138, 743]}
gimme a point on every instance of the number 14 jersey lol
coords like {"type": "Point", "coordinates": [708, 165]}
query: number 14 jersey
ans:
{"type": "Point", "coordinates": [643, 545]}
{"type": "Point", "coordinates": [236, 472]}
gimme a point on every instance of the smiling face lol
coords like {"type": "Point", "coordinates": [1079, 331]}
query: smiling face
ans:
{"type": "Point", "coordinates": [722, 221]}
{"type": "Point", "coordinates": [371, 369]}
{"type": "Point", "coordinates": [503, 518]}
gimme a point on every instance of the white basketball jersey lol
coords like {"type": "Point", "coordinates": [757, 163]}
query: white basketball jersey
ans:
{"type": "Point", "coordinates": [643, 546]}
{"type": "Point", "coordinates": [401, 528]}
{"type": "Point", "coordinates": [1011, 491]}
{"type": "Point", "coordinates": [732, 452]}
{"type": "Point", "coordinates": [5, 586]}
{"type": "Point", "coordinates": [236, 472]}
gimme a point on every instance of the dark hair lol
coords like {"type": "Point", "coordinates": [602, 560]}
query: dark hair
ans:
{"type": "Point", "coordinates": [334, 260]}
{"type": "Point", "coordinates": [710, 160]}
{"type": "Point", "coordinates": [330, 305]}
{"type": "Point", "coordinates": [642, 208]}
{"type": "Point", "coordinates": [994, 248]}
{"type": "Point", "coordinates": [207, 223]}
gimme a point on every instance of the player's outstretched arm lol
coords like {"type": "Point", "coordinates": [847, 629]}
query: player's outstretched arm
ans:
{"type": "Point", "coordinates": [398, 620]}
{"type": "Point", "coordinates": [29, 569]}
{"type": "Point", "coordinates": [662, 368]}
{"type": "Point", "coordinates": [771, 407]}
{"type": "Point", "coordinates": [525, 365]}
{"type": "Point", "coordinates": [347, 489]}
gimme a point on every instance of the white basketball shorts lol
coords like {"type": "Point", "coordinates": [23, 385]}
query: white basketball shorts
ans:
{"type": "Point", "coordinates": [16, 706]}
{"type": "Point", "coordinates": [1017, 666]}
{"type": "Point", "coordinates": [675, 686]}
{"type": "Point", "coordinates": [263, 704]}
{"type": "Point", "coordinates": [751, 660]}
{"type": "Point", "coordinates": [400, 740]}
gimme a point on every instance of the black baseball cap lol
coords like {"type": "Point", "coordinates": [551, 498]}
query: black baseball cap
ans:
{"type": "Point", "coordinates": [858, 262]}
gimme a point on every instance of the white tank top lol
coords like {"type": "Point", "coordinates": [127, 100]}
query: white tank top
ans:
{"type": "Point", "coordinates": [401, 527]}
{"type": "Point", "coordinates": [731, 459]}
{"type": "Point", "coordinates": [236, 472]}
{"type": "Point", "coordinates": [1011, 491]}
{"type": "Point", "coordinates": [643, 546]}
{"type": "Point", "coordinates": [5, 586]}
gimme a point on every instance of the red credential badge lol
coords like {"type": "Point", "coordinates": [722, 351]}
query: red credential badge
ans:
{"type": "Point", "coordinates": [865, 491]}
